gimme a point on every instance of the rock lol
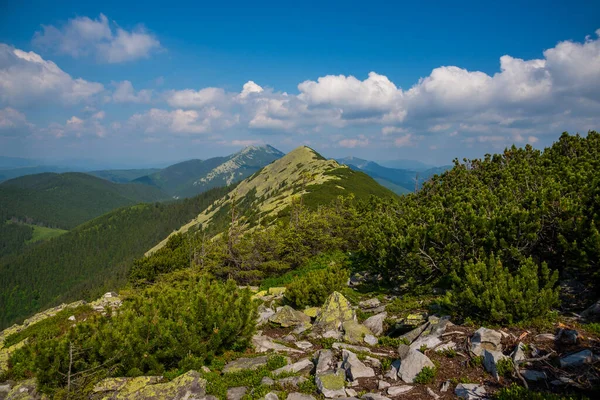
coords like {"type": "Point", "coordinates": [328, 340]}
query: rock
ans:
{"type": "Point", "coordinates": [267, 381]}
{"type": "Point", "coordinates": [446, 346]}
{"type": "Point", "coordinates": [354, 332]}
{"type": "Point", "coordinates": [335, 312]}
{"type": "Point", "coordinates": [187, 386]}
{"type": "Point", "coordinates": [393, 371]}
{"type": "Point", "coordinates": [374, 396]}
{"type": "Point", "coordinates": [532, 375]}
{"type": "Point", "coordinates": [412, 364]}
{"type": "Point", "coordinates": [271, 396]}
{"type": "Point", "coordinates": [414, 334]}
{"type": "Point", "coordinates": [4, 389]}
{"type": "Point", "coordinates": [370, 340]}
{"type": "Point", "coordinates": [484, 339]}
{"type": "Point", "coordinates": [567, 336]}
{"type": "Point", "coordinates": [299, 396]}
{"type": "Point", "coordinates": [292, 381]}
{"type": "Point", "coordinates": [324, 361]}
{"type": "Point", "coordinates": [470, 391]}
{"type": "Point", "coordinates": [375, 323]}
{"type": "Point", "coordinates": [544, 337]}
{"type": "Point", "coordinates": [289, 338]}
{"type": "Point", "coordinates": [242, 364]}
{"type": "Point", "coordinates": [518, 354]}
{"type": "Point", "coordinates": [433, 394]}
{"type": "Point", "coordinates": [371, 303]}
{"type": "Point", "coordinates": [332, 335]}
{"type": "Point", "coordinates": [236, 393]}
{"type": "Point", "coordinates": [428, 341]}
{"type": "Point", "coordinates": [71, 318]}
{"type": "Point", "coordinates": [383, 385]}
{"type": "Point", "coordinates": [403, 350]}
{"type": "Point", "coordinates": [304, 345]}
{"type": "Point", "coordinates": [563, 380]}
{"type": "Point", "coordinates": [301, 329]}
{"type": "Point", "coordinates": [302, 365]}
{"type": "Point", "coordinates": [445, 386]}
{"type": "Point", "coordinates": [577, 359]}
{"type": "Point", "coordinates": [592, 313]}
{"type": "Point", "coordinates": [262, 344]}
{"type": "Point", "coordinates": [354, 367]}
{"type": "Point", "coordinates": [125, 386]}
{"type": "Point", "coordinates": [436, 326]}
{"type": "Point", "coordinates": [205, 369]}
{"type": "Point", "coordinates": [490, 362]}
{"type": "Point", "coordinates": [264, 313]}
{"type": "Point", "coordinates": [312, 311]}
{"type": "Point", "coordinates": [331, 384]}
{"type": "Point", "coordinates": [398, 390]}
{"type": "Point", "coordinates": [372, 361]}
{"type": "Point", "coordinates": [351, 347]}
{"type": "Point", "coordinates": [23, 390]}
{"type": "Point", "coordinates": [287, 317]}
{"type": "Point", "coordinates": [351, 392]}
{"type": "Point", "coordinates": [277, 291]}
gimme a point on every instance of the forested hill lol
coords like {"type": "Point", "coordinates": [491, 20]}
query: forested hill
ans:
{"type": "Point", "coordinates": [90, 259]}
{"type": "Point", "coordinates": [69, 199]}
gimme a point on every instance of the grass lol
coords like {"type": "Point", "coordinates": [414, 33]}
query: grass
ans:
{"type": "Point", "coordinates": [41, 233]}
{"type": "Point", "coordinates": [387, 341]}
{"type": "Point", "coordinates": [427, 375]}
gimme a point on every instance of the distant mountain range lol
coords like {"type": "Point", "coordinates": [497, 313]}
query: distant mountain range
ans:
{"type": "Point", "coordinates": [400, 181]}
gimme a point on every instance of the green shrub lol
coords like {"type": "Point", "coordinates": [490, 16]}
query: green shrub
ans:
{"type": "Point", "coordinates": [427, 375]}
{"type": "Point", "coordinates": [515, 392]}
{"type": "Point", "coordinates": [488, 291]}
{"type": "Point", "coordinates": [505, 367]}
{"type": "Point", "coordinates": [313, 288]}
{"type": "Point", "coordinates": [392, 342]}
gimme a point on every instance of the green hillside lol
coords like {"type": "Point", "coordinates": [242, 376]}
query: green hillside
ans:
{"type": "Point", "coordinates": [123, 175]}
{"type": "Point", "coordinates": [88, 260]}
{"type": "Point", "coordinates": [67, 200]}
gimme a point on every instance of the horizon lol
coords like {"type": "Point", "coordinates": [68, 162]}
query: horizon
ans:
{"type": "Point", "coordinates": [133, 86]}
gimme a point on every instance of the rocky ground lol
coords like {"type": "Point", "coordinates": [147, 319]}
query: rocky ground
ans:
{"type": "Point", "coordinates": [370, 349]}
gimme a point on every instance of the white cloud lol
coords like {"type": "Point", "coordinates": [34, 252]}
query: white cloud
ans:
{"type": "Point", "coordinates": [125, 93]}
{"type": "Point", "coordinates": [157, 121]}
{"type": "Point", "coordinates": [14, 123]}
{"type": "Point", "coordinates": [407, 140]}
{"type": "Point", "coordinates": [249, 88]}
{"type": "Point", "coordinates": [83, 36]}
{"type": "Point", "coordinates": [361, 141]}
{"type": "Point", "coordinates": [26, 78]}
{"type": "Point", "coordinates": [195, 99]}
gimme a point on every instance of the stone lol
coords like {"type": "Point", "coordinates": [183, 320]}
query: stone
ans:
{"type": "Point", "coordinates": [301, 329]}
{"type": "Point", "coordinates": [187, 386]}
{"type": "Point", "coordinates": [567, 336]}
{"type": "Point", "coordinates": [354, 367]}
{"type": "Point", "coordinates": [4, 389]}
{"type": "Point", "coordinates": [437, 326]}
{"type": "Point", "coordinates": [370, 340]}
{"type": "Point", "coordinates": [243, 364]}
{"type": "Point", "coordinates": [393, 371]}
{"type": "Point", "coordinates": [485, 338]}
{"type": "Point", "coordinates": [205, 369]}
{"type": "Point", "coordinates": [374, 396]}
{"type": "Point", "coordinates": [403, 350]}
{"type": "Point", "coordinates": [262, 344]}
{"type": "Point", "coordinates": [292, 381]}
{"type": "Point", "coordinates": [351, 347]}
{"type": "Point", "coordinates": [430, 342]}
{"type": "Point", "coordinates": [544, 337]}
{"type": "Point", "coordinates": [332, 335]}
{"type": "Point", "coordinates": [287, 317]}
{"type": "Point", "coordinates": [354, 332]}
{"type": "Point", "coordinates": [412, 364]}
{"type": "Point", "coordinates": [289, 338]}
{"type": "Point", "coordinates": [383, 385]}
{"type": "Point", "coordinates": [533, 375]}
{"type": "Point", "coordinates": [518, 354]}
{"type": "Point", "coordinates": [398, 390]}
{"type": "Point", "coordinates": [324, 361]}
{"type": "Point", "coordinates": [271, 396]}
{"type": "Point", "coordinates": [299, 366]}
{"type": "Point", "coordinates": [312, 311]}
{"type": "Point", "coordinates": [433, 394]}
{"type": "Point", "coordinates": [334, 313]}
{"type": "Point", "coordinates": [236, 393]}
{"type": "Point", "coordinates": [577, 359]}
{"type": "Point", "coordinates": [371, 303]}
{"type": "Point", "coordinates": [264, 313]}
{"type": "Point", "coordinates": [372, 361]}
{"type": "Point", "coordinates": [470, 391]}
{"type": "Point", "coordinates": [304, 345]}
{"type": "Point", "coordinates": [23, 390]}
{"type": "Point", "coordinates": [375, 323]}
{"type": "Point", "coordinates": [446, 346]}
{"type": "Point", "coordinates": [331, 384]}
{"type": "Point", "coordinates": [414, 334]}
{"type": "Point", "coordinates": [71, 318]}
{"type": "Point", "coordinates": [490, 361]}
{"type": "Point", "coordinates": [592, 313]}
{"type": "Point", "coordinates": [267, 381]}
{"type": "Point", "coordinates": [277, 291]}
{"type": "Point", "coordinates": [125, 386]}
{"type": "Point", "coordinates": [351, 392]}
{"type": "Point", "coordinates": [299, 396]}
{"type": "Point", "coordinates": [445, 386]}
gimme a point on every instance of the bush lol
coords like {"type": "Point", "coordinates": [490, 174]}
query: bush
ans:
{"type": "Point", "coordinates": [427, 375]}
{"type": "Point", "coordinates": [313, 288]}
{"type": "Point", "coordinates": [515, 392]}
{"type": "Point", "coordinates": [488, 291]}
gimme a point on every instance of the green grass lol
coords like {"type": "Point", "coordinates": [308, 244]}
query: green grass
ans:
{"type": "Point", "coordinates": [41, 233]}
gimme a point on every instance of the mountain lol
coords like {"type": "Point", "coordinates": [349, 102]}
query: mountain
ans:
{"type": "Point", "coordinates": [90, 259]}
{"type": "Point", "coordinates": [192, 177]}
{"type": "Point", "coordinates": [400, 181]}
{"type": "Point", "coordinates": [11, 173]}
{"type": "Point", "coordinates": [69, 199]}
{"type": "Point", "coordinates": [303, 175]}
{"type": "Point", "coordinates": [123, 175]}
{"type": "Point", "coordinates": [16, 162]}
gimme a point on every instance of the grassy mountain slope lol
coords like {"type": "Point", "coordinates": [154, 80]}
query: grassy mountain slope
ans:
{"type": "Point", "coordinates": [90, 259]}
{"type": "Point", "coordinates": [123, 175]}
{"type": "Point", "coordinates": [69, 199]}
{"type": "Point", "coordinates": [192, 177]}
{"type": "Point", "coordinates": [301, 174]}
{"type": "Point", "coordinates": [12, 173]}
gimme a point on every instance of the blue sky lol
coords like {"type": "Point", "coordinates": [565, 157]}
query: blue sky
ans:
{"type": "Point", "coordinates": [132, 83]}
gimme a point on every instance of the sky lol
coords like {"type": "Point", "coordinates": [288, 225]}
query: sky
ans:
{"type": "Point", "coordinates": [148, 83]}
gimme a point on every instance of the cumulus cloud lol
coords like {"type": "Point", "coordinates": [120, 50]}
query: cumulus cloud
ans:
{"type": "Point", "coordinates": [83, 36]}
{"type": "Point", "coordinates": [77, 127]}
{"type": "Point", "coordinates": [157, 121]}
{"type": "Point", "coordinates": [13, 123]}
{"type": "Point", "coordinates": [125, 93]}
{"type": "Point", "coordinates": [361, 141]}
{"type": "Point", "coordinates": [190, 98]}
{"type": "Point", "coordinates": [26, 78]}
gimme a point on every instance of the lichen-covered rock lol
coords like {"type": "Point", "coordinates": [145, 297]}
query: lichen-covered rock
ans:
{"type": "Point", "coordinates": [331, 384]}
{"type": "Point", "coordinates": [312, 311]}
{"type": "Point", "coordinates": [124, 386]}
{"type": "Point", "coordinates": [412, 364]}
{"type": "Point", "coordinates": [187, 386]}
{"type": "Point", "coordinates": [287, 317]}
{"type": "Point", "coordinates": [368, 304]}
{"type": "Point", "coordinates": [242, 364]}
{"type": "Point", "coordinates": [6, 352]}
{"type": "Point", "coordinates": [334, 313]}
{"type": "Point", "coordinates": [264, 313]}
{"type": "Point", "coordinates": [484, 339]}
{"type": "Point", "coordinates": [324, 361]}
{"type": "Point", "coordinates": [375, 323]}
{"type": "Point", "coordinates": [262, 344]}
{"type": "Point", "coordinates": [354, 332]}
{"type": "Point", "coordinates": [24, 390]}
{"type": "Point", "coordinates": [277, 291]}
{"type": "Point", "coordinates": [354, 367]}
{"type": "Point", "coordinates": [292, 381]}
{"type": "Point", "coordinates": [236, 393]}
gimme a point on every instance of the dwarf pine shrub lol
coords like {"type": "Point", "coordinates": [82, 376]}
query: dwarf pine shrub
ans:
{"type": "Point", "coordinates": [313, 288]}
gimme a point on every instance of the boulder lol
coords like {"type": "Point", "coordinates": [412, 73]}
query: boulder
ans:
{"type": "Point", "coordinates": [383, 385]}
{"type": "Point", "coordinates": [287, 317]}
{"type": "Point", "coordinates": [300, 366]}
{"type": "Point", "coordinates": [312, 311]}
{"type": "Point", "coordinates": [544, 337]}
{"type": "Point", "coordinates": [370, 340]}
{"type": "Point", "coordinates": [403, 350]}
{"type": "Point", "coordinates": [292, 381]}
{"type": "Point", "coordinates": [262, 344]}
{"type": "Point", "coordinates": [375, 323]}
{"type": "Point", "coordinates": [490, 361]}
{"type": "Point", "coordinates": [429, 341]}
{"type": "Point", "coordinates": [324, 361]}
{"type": "Point", "coordinates": [331, 384]}
{"type": "Point", "coordinates": [374, 396]}
{"type": "Point", "coordinates": [354, 332]}
{"type": "Point", "coordinates": [592, 313]}
{"type": "Point", "coordinates": [484, 339]}
{"type": "Point", "coordinates": [354, 367]}
{"type": "Point", "coordinates": [186, 386]}
{"type": "Point", "coordinates": [567, 336]}
{"type": "Point", "coordinates": [236, 393]}
{"type": "Point", "coordinates": [577, 359]}
{"type": "Point", "coordinates": [264, 313]}
{"type": "Point", "coordinates": [334, 313]}
{"type": "Point", "coordinates": [299, 396]}
{"type": "Point", "coordinates": [243, 364]}
{"type": "Point", "coordinates": [398, 390]}
{"type": "Point", "coordinates": [533, 375]}
{"type": "Point", "coordinates": [371, 303]}
{"type": "Point", "coordinates": [24, 390]}
{"type": "Point", "coordinates": [414, 334]}
{"type": "Point", "coordinates": [304, 345]}
{"type": "Point", "coordinates": [393, 371]}
{"type": "Point", "coordinates": [271, 396]}
{"type": "Point", "coordinates": [470, 391]}
{"type": "Point", "coordinates": [412, 364]}
{"type": "Point", "coordinates": [125, 386]}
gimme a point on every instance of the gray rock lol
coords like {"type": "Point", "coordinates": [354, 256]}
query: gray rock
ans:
{"type": "Point", "coordinates": [428, 341]}
{"type": "Point", "coordinates": [299, 396]}
{"type": "Point", "coordinates": [470, 391]}
{"type": "Point", "coordinates": [354, 332]}
{"type": "Point", "coordinates": [446, 346]}
{"type": "Point", "coordinates": [370, 340]}
{"type": "Point", "coordinates": [287, 317]}
{"type": "Point", "coordinates": [4, 388]}
{"type": "Point", "coordinates": [375, 323]}
{"type": "Point", "coordinates": [304, 345]}
{"type": "Point", "coordinates": [533, 376]}
{"type": "Point", "coordinates": [351, 392]}
{"type": "Point", "coordinates": [403, 350]}
{"type": "Point", "coordinates": [398, 390]}
{"type": "Point", "coordinates": [484, 339]}
{"type": "Point", "coordinates": [331, 384]}
{"type": "Point", "coordinates": [393, 371]}
{"type": "Point", "coordinates": [445, 386]}
{"type": "Point", "coordinates": [292, 381]}
{"type": "Point", "coordinates": [433, 394]}
{"type": "Point", "coordinates": [351, 347]}
{"type": "Point", "coordinates": [236, 393]}
{"type": "Point", "coordinates": [383, 385]}
{"type": "Point", "coordinates": [412, 364]}
{"type": "Point", "coordinates": [331, 334]}
{"type": "Point", "coordinates": [271, 396]}
{"type": "Point", "coordinates": [415, 333]}
{"type": "Point", "coordinates": [490, 361]}
{"type": "Point", "coordinates": [577, 359]}
{"type": "Point", "coordinates": [262, 344]}
{"type": "Point", "coordinates": [567, 336]}
{"type": "Point", "coordinates": [518, 354]}
{"type": "Point", "coordinates": [267, 381]}
{"type": "Point", "coordinates": [301, 329]}
{"type": "Point", "coordinates": [302, 365]}
{"type": "Point", "coordinates": [544, 337]}
{"type": "Point", "coordinates": [354, 367]}
{"type": "Point", "coordinates": [264, 313]}
{"type": "Point", "coordinates": [371, 303]}
{"type": "Point", "coordinates": [372, 361]}
{"type": "Point", "coordinates": [324, 361]}
{"type": "Point", "coordinates": [334, 313]}
{"type": "Point", "coordinates": [242, 364]}
{"type": "Point", "coordinates": [592, 313]}
{"type": "Point", "coordinates": [374, 396]}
